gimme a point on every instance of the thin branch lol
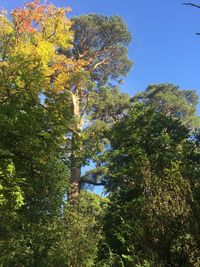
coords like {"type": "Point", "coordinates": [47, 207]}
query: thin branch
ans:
{"type": "Point", "coordinates": [103, 62]}
{"type": "Point", "coordinates": [191, 4]}
{"type": "Point", "coordinates": [85, 181]}
{"type": "Point", "coordinates": [94, 177]}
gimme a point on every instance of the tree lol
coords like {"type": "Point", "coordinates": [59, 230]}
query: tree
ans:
{"type": "Point", "coordinates": [172, 101]}
{"type": "Point", "coordinates": [151, 196]}
{"type": "Point", "coordinates": [100, 42]}
{"type": "Point", "coordinates": [35, 113]}
{"type": "Point", "coordinates": [80, 232]}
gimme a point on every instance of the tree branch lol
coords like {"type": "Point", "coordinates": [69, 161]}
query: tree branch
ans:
{"type": "Point", "coordinates": [85, 181]}
{"type": "Point", "coordinates": [94, 177]}
{"type": "Point", "coordinates": [191, 4]}
{"type": "Point", "coordinates": [103, 62]}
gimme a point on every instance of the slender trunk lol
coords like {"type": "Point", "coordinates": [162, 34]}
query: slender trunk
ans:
{"type": "Point", "coordinates": [76, 151]}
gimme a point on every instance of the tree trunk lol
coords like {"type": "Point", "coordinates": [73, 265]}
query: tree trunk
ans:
{"type": "Point", "coordinates": [76, 149]}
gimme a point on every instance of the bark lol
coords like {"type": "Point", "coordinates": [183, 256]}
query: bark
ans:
{"type": "Point", "coordinates": [76, 151]}
{"type": "Point", "coordinates": [75, 178]}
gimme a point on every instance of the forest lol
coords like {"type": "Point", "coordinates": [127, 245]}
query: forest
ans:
{"type": "Point", "coordinates": [66, 128]}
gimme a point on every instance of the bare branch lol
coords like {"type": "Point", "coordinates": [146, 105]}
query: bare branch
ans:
{"type": "Point", "coordinates": [191, 4]}
{"type": "Point", "coordinates": [103, 183]}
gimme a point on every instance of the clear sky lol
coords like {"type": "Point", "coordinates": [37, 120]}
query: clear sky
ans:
{"type": "Point", "coordinates": [164, 46]}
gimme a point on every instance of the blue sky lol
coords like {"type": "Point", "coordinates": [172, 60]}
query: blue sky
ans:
{"type": "Point", "coordinates": [164, 46]}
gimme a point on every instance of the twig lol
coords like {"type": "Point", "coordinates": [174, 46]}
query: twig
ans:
{"type": "Point", "coordinates": [191, 4]}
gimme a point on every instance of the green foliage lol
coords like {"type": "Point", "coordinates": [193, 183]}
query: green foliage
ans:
{"type": "Point", "coordinates": [172, 101]}
{"type": "Point", "coordinates": [81, 232]}
{"type": "Point", "coordinates": [150, 211]}
{"type": "Point", "coordinates": [9, 186]}
{"type": "Point", "coordinates": [32, 172]}
{"type": "Point", "coordinates": [108, 104]}
{"type": "Point", "coordinates": [102, 42]}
